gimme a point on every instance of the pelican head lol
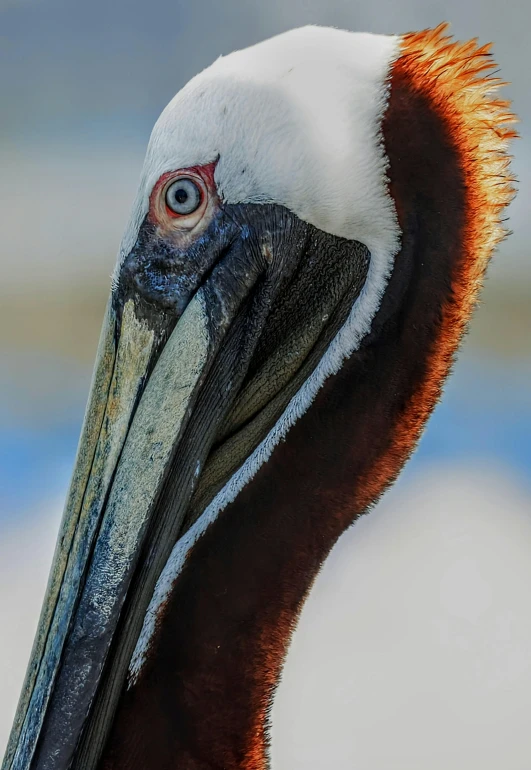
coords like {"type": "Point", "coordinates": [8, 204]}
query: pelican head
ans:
{"type": "Point", "coordinates": [312, 224]}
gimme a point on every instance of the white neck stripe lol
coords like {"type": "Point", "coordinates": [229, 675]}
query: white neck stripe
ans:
{"type": "Point", "coordinates": [383, 250]}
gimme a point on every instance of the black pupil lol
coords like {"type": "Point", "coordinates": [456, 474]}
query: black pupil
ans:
{"type": "Point", "coordinates": [181, 196]}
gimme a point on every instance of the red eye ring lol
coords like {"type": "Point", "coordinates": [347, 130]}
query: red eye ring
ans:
{"type": "Point", "coordinates": [189, 210]}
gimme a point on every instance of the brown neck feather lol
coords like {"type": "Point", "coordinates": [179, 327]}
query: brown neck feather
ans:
{"type": "Point", "coordinates": [203, 698]}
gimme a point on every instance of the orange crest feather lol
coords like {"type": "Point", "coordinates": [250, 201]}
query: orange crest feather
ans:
{"type": "Point", "coordinates": [455, 77]}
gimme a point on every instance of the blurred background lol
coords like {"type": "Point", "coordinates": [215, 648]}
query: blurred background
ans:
{"type": "Point", "coordinates": [414, 650]}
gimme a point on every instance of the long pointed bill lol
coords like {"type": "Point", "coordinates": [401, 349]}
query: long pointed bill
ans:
{"type": "Point", "coordinates": [129, 437]}
{"type": "Point", "coordinates": [167, 377]}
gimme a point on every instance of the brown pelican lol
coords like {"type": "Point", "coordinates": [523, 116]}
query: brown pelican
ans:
{"type": "Point", "coordinates": [314, 218]}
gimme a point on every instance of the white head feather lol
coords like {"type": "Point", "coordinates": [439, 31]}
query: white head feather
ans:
{"type": "Point", "coordinates": [294, 120]}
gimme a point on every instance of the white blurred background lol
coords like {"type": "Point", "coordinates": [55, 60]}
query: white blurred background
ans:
{"type": "Point", "coordinates": [414, 650]}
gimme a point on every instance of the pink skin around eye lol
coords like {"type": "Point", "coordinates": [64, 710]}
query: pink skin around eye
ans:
{"type": "Point", "coordinates": [182, 231]}
{"type": "Point", "coordinates": [205, 173]}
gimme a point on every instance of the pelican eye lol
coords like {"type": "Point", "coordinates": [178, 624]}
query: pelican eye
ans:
{"type": "Point", "coordinates": [183, 196]}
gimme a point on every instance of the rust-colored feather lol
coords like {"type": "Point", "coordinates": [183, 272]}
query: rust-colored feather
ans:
{"type": "Point", "coordinates": [453, 78]}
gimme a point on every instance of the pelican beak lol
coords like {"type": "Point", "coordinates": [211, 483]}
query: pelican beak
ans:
{"type": "Point", "coordinates": [180, 331]}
